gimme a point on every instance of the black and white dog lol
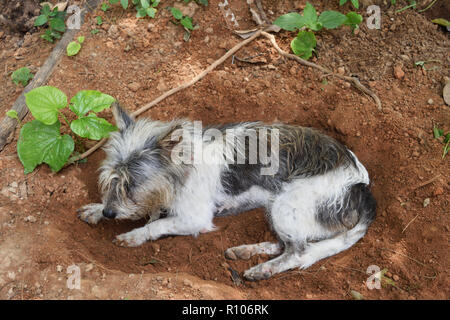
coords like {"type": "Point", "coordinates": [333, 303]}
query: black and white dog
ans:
{"type": "Point", "coordinates": [317, 197]}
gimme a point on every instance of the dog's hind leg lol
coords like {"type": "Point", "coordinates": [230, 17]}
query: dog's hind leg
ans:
{"type": "Point", "coordinates": [288, 260]}
{"type": "Point", "coordinates": [91, 213]}
{"type": "Point", "coordinates": [248, 250]}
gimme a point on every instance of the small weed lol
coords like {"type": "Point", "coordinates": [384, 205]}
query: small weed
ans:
{"type": "Point", "coordinates": [445, 139]}
{"type": "Point", "coordinates": [41, 141]}
{"type": "Point", "coordinates": [305, 43]}
{"type": "Point", "coordinates": [99, 20]}
{"type": "Point", "coordinates": [355, 3]}
{"type": "Point", "coordinates": [55, 21]}
{"type": "Point", "coordinates": [22, 76]}
{"type": "Point", "coordinates": [74, 47]}
{"type": "Point", "coordinates": [183, 20]}
{"type": "Point", "coordinates": [95, 31]}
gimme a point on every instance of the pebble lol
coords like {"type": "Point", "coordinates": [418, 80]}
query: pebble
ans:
{"type": "Point", "coordinates": [426, 202]}
{"type": "Point", "coordinates": [113, 31]}
{"type": "Point", "coordinates": [341, 70]}
{"type": "Point", "coordinates": [89, 267]}
{"type": "Point", "coordinates": [395, 277]}
{"type": "Point", "coordinates": [438, 191]}
{"type": "Point", "coordinates": [398, 72]}
{"type": "Point", "coordinates": [209, 30]}
{"type": "Point", "coordinates": [30, 219]}
{"type": "Point", "coordinates": [134, 86]}
{"type": "Point", "coordinates": [430, 101]}
{"type": "Point", "coordinates": [59, 268]}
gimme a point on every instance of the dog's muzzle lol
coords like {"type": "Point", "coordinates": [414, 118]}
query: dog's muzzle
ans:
{"type": "Point", "coordinates": [109, 213]}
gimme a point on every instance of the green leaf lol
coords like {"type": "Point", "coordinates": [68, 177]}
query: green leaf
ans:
{"type": "Point", "coordinates": [105, 7]}
{"type": "Point", "coordinates": [92, 127]}
{"type": "Point", "coordinates": [355, 3]}
{"type": "Point", "coordinates": [151, 12]}
{"type": "Point", "coordinates": [155, 3]}
{"type": "Point", "coordinates": [290, 21]}
{"type": "Point", "coordinates": [46, 10]}
{"type": "Point", "coordinates": [99, 20]}
{"type": "Point", "coordinates": [309, 14]}
{"type": "Point", "coordinates": [41, 20]}
{"type": "Point", "coordinates": [342, 2]}
{"type": "Point", "coordinates": [332, 19]}
{"type": "Point", "coordinates": [176, 13]}
{"type": "Point", "coordinates": [187, 23]}
{"type": "Point", "coordinates": [203, 2]}
{"type": "Point", "coordinates": [90, 100]}
{"type": "Point", "coordinates": [73, 48]}
{"type": "Point", "coordinates": [81, 39]}
{"type": "Point", "coordinates": [303, 45]}
{"type": "Point", "coordinates": [13, 114]}
{"type": "Point", "coordinates": [57, 24]}
{"type": "Point", "coordinates": [141, 13]}
{"type": "Point", "coordinates": [95, 31]}
{"type": "Point", "coordinates": [124, 4]}
{"type": "Point", "coordinates": [353, 20]}
{"type": "Point", "coordinates": [145, 4]}
{"type": "Point", "coordinates": [39, 143]}
{"type": "Point", "coordinates": [113, 1]}
{"type": "Point", "coordinates": [442, 22]}
{"type": "Point", "coordinates": [437, 132]}
{"type": "Point", "coordinates": [44, 103]}
{"type": "Point", "coordinates": [22, 75]}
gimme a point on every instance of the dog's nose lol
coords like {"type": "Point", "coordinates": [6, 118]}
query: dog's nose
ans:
{"type": "Point", "coordinates": [108, 213]}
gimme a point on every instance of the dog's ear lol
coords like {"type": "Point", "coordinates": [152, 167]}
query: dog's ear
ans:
{"type": "Point", "coordinates": [123, 119]}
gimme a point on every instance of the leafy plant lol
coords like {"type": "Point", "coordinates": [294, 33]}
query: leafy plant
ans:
{"type": "Point", "coordinates": [355, 3]}
{"type": "Point", "coordinates": [95, 31]}
{"type": "Point", "coordinates": [445, 139]}
{"type": "Point", "coordinates": [41, 141]}
{"type": "Point", "coordinates": [99, 20]}
{"type": "Point", "coordinates": [22, 75]}
{"type": "Point", "coordinates": [305, 42]}
{"type": "Point", "coordinates": [55, 21]}
{"type": "Point", "coordinates": [14, 115]}
{"type": "Point", "coordinates": [143, 7]}
{"type": "Point", "coordinates": [184, 20]}
{"type": "Point", "coordinates": [203, 2]}
{"type": "Point", "coordinates": [74, 47]}
{"type": "Point", "coordinates": [105, 7]}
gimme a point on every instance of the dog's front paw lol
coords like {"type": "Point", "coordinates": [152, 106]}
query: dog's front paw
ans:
{"type": "Point", "coordinates": [241, 252]}
{"type": "Point", "coordinates": [91, 213]}
{"type": "Point", "coordinates": [259, 272]}
{"type": "Point", "coordinates": [130, 239]}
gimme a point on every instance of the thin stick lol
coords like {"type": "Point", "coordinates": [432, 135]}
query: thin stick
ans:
{"type": "Point", "coordinates": [175, 90]}
{"type": "Point", "coordinates": [354, 80]}
{"type": "Point", "coordinates": [427, 182]}
{"type": "Point", "coordinates": [410, 223]}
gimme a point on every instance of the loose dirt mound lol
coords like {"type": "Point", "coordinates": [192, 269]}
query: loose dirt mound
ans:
{"type": "Point", "coordinates": [141, 59]}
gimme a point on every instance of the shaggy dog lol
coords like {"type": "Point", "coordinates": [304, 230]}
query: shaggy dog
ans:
{"type": "Point", "coordinates": [316, 197]}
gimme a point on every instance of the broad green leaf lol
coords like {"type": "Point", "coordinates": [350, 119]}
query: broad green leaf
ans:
{"type": "Point", "coordinates": [105, 7]}
{"type": "Point", "coordinates": [355, 3]}
{"type": "Point", "coordinates": [155, 3]}
{"type": "Point", "coordinates": [44, 103]}
{"type": "Point", "coordinates": [353, 20]}
{"type": "Point", "coordinates": [12, 114]}
{"type": "Point", "coordinates": [151, 12]}
{"type": "Point", "coordinates": [39, 143]}
{"type": "Point", "coordinates": [187, 23]}
{"type": "Point", "coordinates": [81, 39]}
{"type": "Point", "coordinates": [332, 19]}
{"type": "Point", "coordinates": [92, 127]}
{"type": "Point", "coordinates": [290, 21]}
{"type": "Point", "coordinates": [113, 1]}
{"type": "Point", "coordinates": [176, 13]}
{"type": "Point", "coordinates": [73, 48]}
{"type": "Point", "coordinates": [342, 2]}
{"type": "Point", "coordinates": [203, 2]}
{"type": "Point", "coordinates": [141, 13]}
{"type": "Point", "coordinates": [309, 14]}
{"type": "Point", "coordinates": [145, 4]}
{"type": "Point", "coordinates": [303, 45]}
{"type": "Point", "coordinates": [90, 100]}
{"type": "Point", "coordinates": [99, 20]}
{"type": "Point", "coordinates": [41, 20]}
{"type": "Point", "coordinates": [124, 4]}
{"type": "Point", "coordinates": [46, 10]}
{"type": "Point", "coordinates": [22, 75]}
{"type": "Point", "coordinates": [57, 24]}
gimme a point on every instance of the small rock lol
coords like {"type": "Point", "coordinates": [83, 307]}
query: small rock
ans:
{"type": "Point", "coordinates": [446, 91]}
{"type": "Point", "coordinates": [341, 70]}
{"type": "Point", "coordinates": [209, 30]}
{"type": "Point", "coordinates": [59, 268]}
{"type": "Point", "coordinates": [12, 275]}
{"type": "Point", "coordinates": [426, 202]}
{"type": "Point", "coordinates": [89, 267]}
{"type": "Point", "coordinates": [271, 67]}
{"type": "Point", "coordinates": [438, 191]}
{"type": "Point", "coordinates": [398, 72]}
{"type": "Point", "coordinates": [395, 277]}
{"type": "Point", "coordinates": [150, 26]}
{"type": "Point", "coordinates": [30, 219]}
{"type": "Point", "coordinates": [206, 40]}
{"type": "Point", "coordinates": [113, 31]}
{"type": "Point", "coordinates": [356, 295]}
{"type": "Point", "coordinates": [430, 101]}
{"type": "Point", "coordinates": [134, 86]}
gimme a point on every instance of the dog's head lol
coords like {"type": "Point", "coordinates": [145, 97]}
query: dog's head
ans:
{"type": "Point", "coordinates": [137, 177]}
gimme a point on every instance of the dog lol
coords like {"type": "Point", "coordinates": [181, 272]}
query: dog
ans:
{"type": "Point", "coordinates": [317, 199]}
